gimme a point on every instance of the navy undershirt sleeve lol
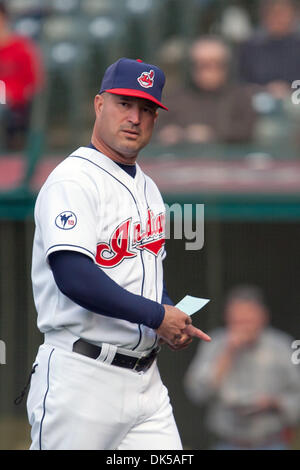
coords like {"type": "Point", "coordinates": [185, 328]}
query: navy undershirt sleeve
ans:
{"type": "Point", "coordinates": [81, 280]}
{"type": "Point", "coordinates": [165, 296]}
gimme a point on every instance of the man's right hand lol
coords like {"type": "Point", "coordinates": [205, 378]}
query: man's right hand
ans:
{"type": "Point", "coordinates": [177, 330]}
{"type": "Point", "coordinates": [239, 338]}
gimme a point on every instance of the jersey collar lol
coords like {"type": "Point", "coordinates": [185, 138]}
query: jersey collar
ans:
{"type": "Point", "coordinates": [102, 161]}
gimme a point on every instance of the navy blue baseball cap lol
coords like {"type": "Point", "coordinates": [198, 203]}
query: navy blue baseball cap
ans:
{"type": "Point", "coordinates": [130, 77]}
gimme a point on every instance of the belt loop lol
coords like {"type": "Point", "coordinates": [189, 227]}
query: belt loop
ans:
{"type": "Point", "coordinates": [110, 353]}
{"type": "Point", "coordinates": [104, 352]}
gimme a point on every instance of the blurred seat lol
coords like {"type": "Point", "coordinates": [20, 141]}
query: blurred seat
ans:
{"type": "Point", "coordinates": [64, 54]}
{"type": "Point", "coordinates": [20, 7]}
{"type": "Point", "coordinates": [106, 40]}
{"type": "Point", "coordinates": [139, 7]}
{"type": "Point", "coordinates": [58, 28]}
{"type": "Point", "coordinates": [145, 19]}
{"type": "Point", "coordinates": [275, 122]}
{"type": "Point", "coordinates": [235, 24]}
{"type": "Point", "coordinates": [65, 93]}
{"type": "Point", "coordinates": [96, 7]}
{"type": "Point", "coordinates": [65, 6]}
{"type": "Point", "coordinates": [104, 28]}
{"type": "Point", "coordinates": [27, 17]}
{"type": "Point", "coordinates": [28, 26]}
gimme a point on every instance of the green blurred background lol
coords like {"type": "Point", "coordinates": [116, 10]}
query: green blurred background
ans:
{"type": "Point", "coordinates": [252, 232]}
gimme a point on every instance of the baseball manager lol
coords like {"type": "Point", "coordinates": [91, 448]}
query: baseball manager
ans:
{"type": "Point", "coordinates": [97, 274]}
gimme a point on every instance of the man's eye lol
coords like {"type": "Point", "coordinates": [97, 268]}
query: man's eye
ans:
{"type": "Point", "coordinates": [149, 110]}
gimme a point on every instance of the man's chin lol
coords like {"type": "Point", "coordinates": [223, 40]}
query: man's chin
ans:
{"type": "Point", "coordinates": [131, 149]}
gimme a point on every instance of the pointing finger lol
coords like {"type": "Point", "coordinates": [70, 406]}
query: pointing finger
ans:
{"type": "Point", "coordinates": [193, 331]}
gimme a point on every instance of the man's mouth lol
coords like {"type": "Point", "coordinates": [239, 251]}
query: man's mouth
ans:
{"type": "Point", "coordinates": [131, 132]}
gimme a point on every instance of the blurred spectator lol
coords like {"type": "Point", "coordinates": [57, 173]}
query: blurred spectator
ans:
{"type": "Point", "coordinates": [271, 56]}
{"type": "Point", "coordinates": [214, 109]}
{"type": "Point", "coordinates": [247, 374]}
{"type": "Point", "coordinates": [21, 70]}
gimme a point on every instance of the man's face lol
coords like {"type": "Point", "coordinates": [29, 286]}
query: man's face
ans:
{"type": "Point", "coordinates": [209, 66]}
{"type": "Point", "coordinates": [246, 317]}
{"type": "Point", "coordinates": [279, 19]}
{"type": "Point", "coordinates": [124, 123]}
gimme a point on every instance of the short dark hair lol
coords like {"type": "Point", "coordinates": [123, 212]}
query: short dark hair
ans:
{"type": "Point", "coordinates": [213, 38]}
{"type": "Point", "coordinates": [3, 8]}
{"type": "Point", "coordinates": [266, 5]}
{"type": "Point", "coordinates": [247, 293]}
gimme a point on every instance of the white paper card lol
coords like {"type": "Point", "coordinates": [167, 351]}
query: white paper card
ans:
{"type": "Point", "coordinates": [190, 305]}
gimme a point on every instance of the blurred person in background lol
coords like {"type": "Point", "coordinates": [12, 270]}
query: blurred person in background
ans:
{"type": "Point", "coordinates": [21, 70]}
{"type": "Point", "coordinates": [270, 57]}
{"type": "Point", "coordinates": [247, 376]}
{"type": "Point", "coordinates": [215, 109]}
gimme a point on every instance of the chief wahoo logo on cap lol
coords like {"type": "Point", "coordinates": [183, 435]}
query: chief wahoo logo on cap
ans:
{"type": "Point", "coordinates": [146, 79]}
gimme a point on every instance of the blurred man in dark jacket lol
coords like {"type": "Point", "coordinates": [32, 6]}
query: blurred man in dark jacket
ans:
{"type": "Point", "coordinates": [215, 109]}
{"type": "Point", "coordinates": [271, 56]}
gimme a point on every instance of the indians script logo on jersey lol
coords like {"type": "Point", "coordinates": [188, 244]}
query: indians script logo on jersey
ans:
{"type": "Point", "coordinates": [128, 237]}
{"type": "Point", "coordinates": [146, 80]}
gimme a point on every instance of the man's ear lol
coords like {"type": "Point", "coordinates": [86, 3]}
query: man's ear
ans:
{"type": "Point", "coordinates": [98, 103]}
{"type": "Point", "coordinates": [156, 115]}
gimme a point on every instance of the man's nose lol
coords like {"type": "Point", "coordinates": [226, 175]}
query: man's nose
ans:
{"type": "Point", "coordinates": [134, 115]}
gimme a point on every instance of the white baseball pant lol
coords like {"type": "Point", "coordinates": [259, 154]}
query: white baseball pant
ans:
{"type": "Point", "coordinates": [79, 403]}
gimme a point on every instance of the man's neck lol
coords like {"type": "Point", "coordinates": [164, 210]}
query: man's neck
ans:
{"type": "Point", "coordinates": [111, 153]}
{"type": "Point", "coordinates": [5, 36]}
{"type": "Point", "coordinates": [281, 34]}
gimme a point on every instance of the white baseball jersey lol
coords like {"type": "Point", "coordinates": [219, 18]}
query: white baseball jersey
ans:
{"type": "Point", "coordinates": [90, 205]}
